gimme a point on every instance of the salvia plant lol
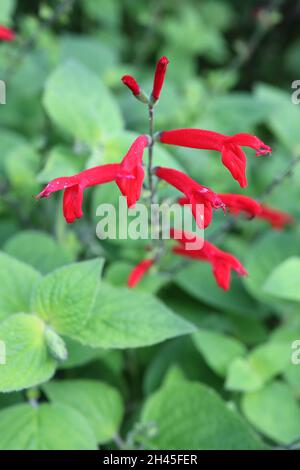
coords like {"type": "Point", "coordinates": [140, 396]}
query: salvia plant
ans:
{"type": "Point", "coordinates": [129, 175]}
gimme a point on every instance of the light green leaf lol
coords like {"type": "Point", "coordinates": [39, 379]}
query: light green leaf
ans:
{"type": "Point", "coordinates": [100, 403]}
{"type": "Point", "coordinates": [28, 361]}
{"type": "Point", "coordinates": [267, 253]}
{"type": "Point", "coordinates": [122, 318]}
{"type": "Point", "coordinates": [189, 415]}
{"type": "Point", "coordinates": [218, 350]}
{"type": "Point", "coordinates": [274, 411]}
{"type": "Point", "coordinates": [284, 280]}
{"type": "Point", "coordinates": [7, 9]}
{"type": "Point", "coordinates": [45, 427]}
{"type": "Point", "coordinates": [64, 298]}
{"type": "Point", "coordinates": [38, 249]}
{"type": "Point", "coordinates": [61, 161]}
{"type": "Point", "coordinates": [78, 102]}
{"type": "Point", "coordinates": [261, 365]}
{"type": "Point", "coordinates": [87, 51]}
{"type": "Point", "coordinates": [17, 281]}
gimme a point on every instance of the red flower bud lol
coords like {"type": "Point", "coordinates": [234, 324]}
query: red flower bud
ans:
{"type": "Point", "coordinates": [233, 156]}
{"type": "Point", "coordinates": [6, 34]}
{"type": "Point", "coordinates": [132, 84]}
{"type": "Point", "coordinates": [159, 76]}
{"type": "Point", "coordinates": [221, 261]}
{"type": "Point", "coordinates": [138, 272]}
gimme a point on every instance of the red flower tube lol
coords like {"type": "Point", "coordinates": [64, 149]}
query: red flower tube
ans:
{"type": "Point", "coordinates": [237, 203]}
{"type": "Point", "coordinates": [75, 185]}
{"type": "Point", "coordinates": [138, 272]}
{"type": "Point", "coordinates": [277, 219]}
{"type": "Point", "coordinates": [233, 156]}
{"type": "Point", "coordinates": [6, 34]}
{"type": "Point", "coordinates": [221, 261]}
{"type": "Point", "coordinates": [195, 193]}
{"type": "Point", "coordinates": [130, 176]}
{"type": "Point", "coordinates": [159, 77]}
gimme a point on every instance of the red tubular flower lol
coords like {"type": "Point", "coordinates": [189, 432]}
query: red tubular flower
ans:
{"type": "Point", "coordinates": [237, 203]}
{"type": "Point", "coordinates": [132, 84]}
{"type": "Point", "coordinates": [138, 272]}
{"type": "Point", "coordinates": [159, 77]}
{"type": "Point", "coordinates": [130, 176]}
{"type": "Point", "coordinates": [6, 34]}
{"type": "Point", "coordinates": [221, 261]}
{"type": "Point", "coordinates": [195, 193]}
{"type": "Point", "coordinates": [233, 156]}
{"type": "Point", "coordinates": [75, 185]}
{"type": "Point", "coordinates": [276, 218]}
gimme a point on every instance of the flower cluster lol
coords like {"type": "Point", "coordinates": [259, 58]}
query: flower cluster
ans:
{"type": "Point", "coordinates": [129, 176]}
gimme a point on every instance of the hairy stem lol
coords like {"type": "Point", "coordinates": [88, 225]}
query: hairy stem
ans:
{"type": "Point", "coordinates": [150, 151]}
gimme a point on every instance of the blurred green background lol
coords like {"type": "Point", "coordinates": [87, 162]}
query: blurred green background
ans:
{"type": "Point", "coordinates": [230, 382]}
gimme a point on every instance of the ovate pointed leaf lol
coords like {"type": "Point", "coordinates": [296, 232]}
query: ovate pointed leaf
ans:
{"type": "Point", "coordinates": [27, 361]}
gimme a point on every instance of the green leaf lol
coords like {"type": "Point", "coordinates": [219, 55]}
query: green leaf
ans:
{"type": "Point", "coordinates": [78, 102]}
{"type": "Point", "coordinates": [292, 377]}
{"type": "Point", "coordinates": [87, 51]}
{"type": "Point", "coordinates": [189, 415]}
{"type": "Point", "coordinates": [45, 427]}
{"type": "Point", "coordinates": [198, 281]}
{"type": "Point", "coordinates": [21, 167]}
{"type": "Point", "coordinates": [283, 116]}
{"type": "Point", "coordinates": [64, 298]}
{"type": "Point", "coordinates": [7, 9]}
{"type": "Point", "coordinates": [61, 161]}
{"type": "Point", "coordinates": [122, 318]}
{"type": "Point", "coordinates": [100, 403]}
{"type": "Point", "coordinates": [78, 354]}
{"type": "Point", "coordinates": [17, 281]}
{"type": "Point", "coordinates": [284, 280]}
{"type": "Point", "coordinates": [260, 366]}
{"type": "Point", "coordinates": [218, 350]}
{"type": "Point", "coordinates": [267, 253]}
{"type": "Point", "coordinates": [274, 411]}
{"type": "Point", "coordinates": [28, 362]}
{"type": "Point", "coordinates": [38, 249]}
